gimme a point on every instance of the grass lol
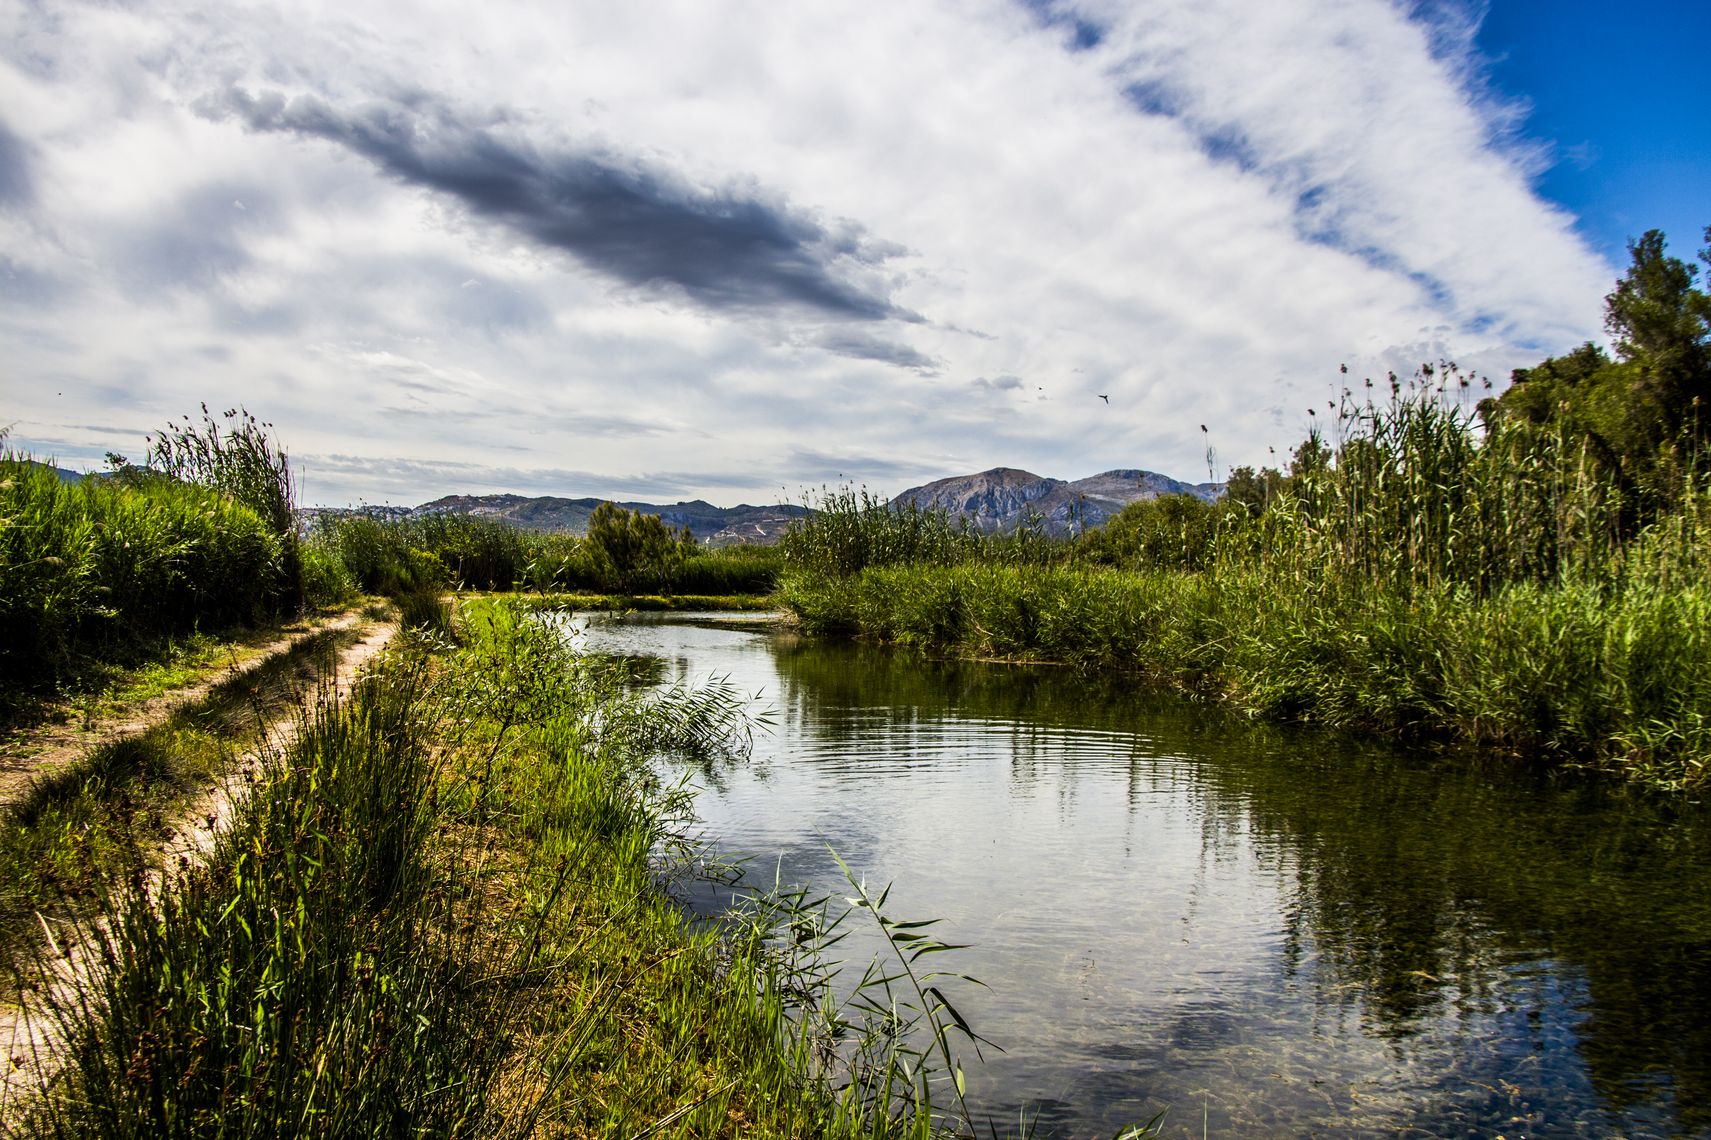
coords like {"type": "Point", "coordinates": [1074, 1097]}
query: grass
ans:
{"type": "Point", "coordinates": [440, 912]}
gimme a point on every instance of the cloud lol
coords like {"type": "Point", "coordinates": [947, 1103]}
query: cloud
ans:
{"type": "Point", "coordinates": [1370, 119]}
{"type": "Point", "coordinates": [199, 242]}
{"type": "Point", "coordinates": [410, 481]}
{"type": "Point", "coordinates": [707, 250]}
{"type": "Point", "coordinates": [813, 464]}
{"type": "Point", "coordinates": [16, 187]}
{"type": "Point", "coordinates": [726, 249]}
{"type": "Point", "coordinates": [861, 346]}
{"type": "Point", "coordinates": [25, 285]}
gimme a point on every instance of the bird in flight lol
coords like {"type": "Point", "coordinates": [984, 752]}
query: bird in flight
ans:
{"type": "Point", "coordinates": [1102, 396]}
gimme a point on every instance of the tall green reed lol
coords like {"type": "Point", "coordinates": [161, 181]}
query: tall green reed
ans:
{"type": "Point", "coordinates": [242, 461]}
{"type": "Point", "coordinates": [99, 568]}
{"type": "Point", "coordinates": [851, 529]}
{"type": "Point", "coordinates": [1418, 491]}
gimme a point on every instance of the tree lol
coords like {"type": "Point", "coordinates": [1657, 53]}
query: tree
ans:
{"type": "Point", "coordinates": [1661, 325]}
{"type": "Point", "coordinates": [1661, 321]}
{"type": "Point", "coordinates": [1255, 491]}
{"type": "Point", "coordinates": [1633, 411]}
{"type": "Point", "coordinates": [632, 548]}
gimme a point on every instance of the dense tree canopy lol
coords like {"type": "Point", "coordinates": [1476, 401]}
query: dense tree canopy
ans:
{"type": "Point", "coordinates": [1634, 412]}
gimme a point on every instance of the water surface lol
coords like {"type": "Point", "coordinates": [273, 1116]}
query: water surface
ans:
{"type": "Point", "coordinates": [1266, 931]}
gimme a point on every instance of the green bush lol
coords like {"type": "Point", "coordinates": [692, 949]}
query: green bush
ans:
{"type": "Point", "coordinates": [1171, 532]}
{"type": "Point", "coordinates": [630, 549]}
{"type": "Point", "coordinates": [327, 581]}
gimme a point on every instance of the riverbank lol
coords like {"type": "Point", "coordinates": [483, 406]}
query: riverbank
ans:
{"type": "Point", "coordinates": [135, 776]}
{"type": "Point", "coordinates": [1436, 571]}
{"type": "Point", "coordinates": [663, 603]}
{"type": "Point", "coordinates": [1615, 679]}
{"type": "Point", "coordinates": [438, 908]}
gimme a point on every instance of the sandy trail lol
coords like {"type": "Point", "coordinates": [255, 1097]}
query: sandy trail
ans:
{"type": "Point", "coordinates": [30, 1041]}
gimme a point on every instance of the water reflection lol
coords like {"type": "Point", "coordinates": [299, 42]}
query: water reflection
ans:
{"type": "Point", "coordinates": [1268, 930]}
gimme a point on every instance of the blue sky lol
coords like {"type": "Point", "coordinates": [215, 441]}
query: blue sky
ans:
{"type": "Point", "coordinates": [1621, 92]}
{"type": "Point", "coordinates": [733, 249]}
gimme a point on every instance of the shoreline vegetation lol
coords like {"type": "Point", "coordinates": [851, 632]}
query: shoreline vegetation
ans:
{"type": "Point", "coordinates": [1531, 572]}
{"type": "Point", "coordinates": [1436, 572]}
{"type": "Point", "coordinates": [436, 904]}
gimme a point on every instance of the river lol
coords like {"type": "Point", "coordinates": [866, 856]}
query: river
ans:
{"type": "Point", "coordinates": [1263, 930]}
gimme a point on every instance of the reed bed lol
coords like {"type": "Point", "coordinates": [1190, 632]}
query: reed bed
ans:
{"type": "Point", "coordinates": [1425, 572]}
{"type": "Point", "coordinates": [98, 571]}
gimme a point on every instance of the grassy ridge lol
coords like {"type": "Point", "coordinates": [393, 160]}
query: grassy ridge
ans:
{"type": "Point", "coordinates": [1429, 573]}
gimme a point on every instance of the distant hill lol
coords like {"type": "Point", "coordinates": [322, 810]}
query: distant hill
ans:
{"type": "Point", "coordinates": [717, 526]}
{"type": "Point", "coordinates": [65, 475]}
{"type": "Point", "coordinates": [996, 500]}
{"type": "Point", "coordinates": [1003, 498]}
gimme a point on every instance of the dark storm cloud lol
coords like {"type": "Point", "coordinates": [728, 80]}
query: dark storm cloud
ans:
{"type": "Point", "coordinates": [726, 250]}
{"type": "Point", "coordinates": [16, 187]}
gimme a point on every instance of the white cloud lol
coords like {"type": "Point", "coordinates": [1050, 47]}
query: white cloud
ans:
{"type": "Point", "coordinates": [1314, 183]}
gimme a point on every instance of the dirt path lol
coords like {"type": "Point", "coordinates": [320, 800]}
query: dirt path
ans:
{"type": "Point", "coordinates": [29, 1039]}
{"type": "Point", "coordinates": [43, 749]}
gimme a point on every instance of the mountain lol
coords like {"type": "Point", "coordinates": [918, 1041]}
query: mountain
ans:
{"type": "Point", "coordinates": [1003, 498]}
{"type": "Point", "coordinates": [717, 526]}
{"type": "Point", "coordinates": [65, 474]}
{"type": "Point", "coordinates": [997, 500]}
